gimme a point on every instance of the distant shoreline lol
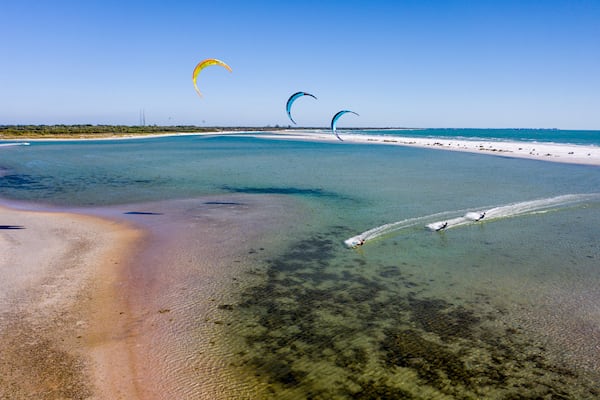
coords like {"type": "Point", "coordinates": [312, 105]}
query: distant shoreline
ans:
{"type": "Point", "coordinates": [88, 131]}
{"type": "Point", "coordinates": [17, 132]}
{"type": "Point", "coordinates": [544, 151]}
{"type": "Point", "coordinates": [555, 152]}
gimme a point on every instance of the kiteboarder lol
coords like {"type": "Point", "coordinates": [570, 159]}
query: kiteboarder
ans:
{"type": "Point", "coordinates": [482, 216]}
{"type": "Point", "coordinates": [443, 226]}
{"type": "Point", "coordinates": [358, 243]}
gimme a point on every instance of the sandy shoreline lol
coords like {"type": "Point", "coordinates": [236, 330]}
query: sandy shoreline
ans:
{"type": "Point", "coordinates": [563, 153]}
{"type": "Point", "coordinates": [180, 287]}
{"type": "Point", "coordinates": [555, 152]}
{"type": "Point", "coordinates": [127, 302]}
{"type": "Point", "coordinates": [59, 280]}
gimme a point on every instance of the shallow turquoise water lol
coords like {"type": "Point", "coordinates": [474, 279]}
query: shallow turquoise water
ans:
{"type": "Point", "coordinates": [497, 309]}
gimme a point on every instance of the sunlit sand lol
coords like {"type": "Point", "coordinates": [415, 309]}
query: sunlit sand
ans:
{"type": "Point", "coordinates": [565, 153]}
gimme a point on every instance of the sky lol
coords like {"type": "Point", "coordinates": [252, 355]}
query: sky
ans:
{"type": "Point", "coordinates": [427, 63]}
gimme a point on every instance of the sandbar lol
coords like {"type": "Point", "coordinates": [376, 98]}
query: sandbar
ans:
{"type": "Point", "coordinates": [59, 276]}
{"type": "Point", "coordinates": [545, 151]}
{"type": "Point", "coordinates": [129, 301]}
{"type": "Point", "coordinates": [557, 152]}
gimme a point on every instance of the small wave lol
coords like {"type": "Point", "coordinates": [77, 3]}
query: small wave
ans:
{"type": "Point", "coordinates": [14, 144]}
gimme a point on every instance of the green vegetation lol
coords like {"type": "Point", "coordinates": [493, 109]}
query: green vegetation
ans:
{"type": "Point", "coordinates": [93, 131]}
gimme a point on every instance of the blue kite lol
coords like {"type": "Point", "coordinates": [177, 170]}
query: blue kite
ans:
{"type": "Point", "coordinates": [292, 99]}
{"type": "Point", "coordinates": [336, 117]}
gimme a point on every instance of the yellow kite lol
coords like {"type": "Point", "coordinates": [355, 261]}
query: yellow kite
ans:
{"type": "Point", "coordinates": [205, 63]}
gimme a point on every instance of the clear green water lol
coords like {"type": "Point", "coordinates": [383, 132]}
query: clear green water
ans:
{"type": "Point", "coordinates": [502, 309]}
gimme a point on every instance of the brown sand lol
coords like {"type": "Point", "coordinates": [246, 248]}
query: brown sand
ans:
{"type": "Point", "coordinates": [54, 269]}
{"type": "Point", "coordinates": [91, 308]}
{"type": "Point", "coordinates": [198, 254]}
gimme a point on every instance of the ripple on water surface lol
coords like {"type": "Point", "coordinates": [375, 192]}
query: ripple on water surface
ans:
{"type": "Point", "coordinates": [323, 326]}
{"type": "Point", "coordinates": [198, 254]}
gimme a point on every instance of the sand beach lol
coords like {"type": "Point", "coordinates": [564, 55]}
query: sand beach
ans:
{"type": "Point", "coordinates": [557, 152]}
{"type": "Point", "coordinates": [544, 151]}
{"type": "Point", "coordinates": [92, 307]}
{"type": "Point", "coordinates": [59, 306]}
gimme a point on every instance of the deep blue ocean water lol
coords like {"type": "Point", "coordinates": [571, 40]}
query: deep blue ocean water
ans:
{"type": "Point", "coordinates": [469, 312]}
{"type": "Point", "coordinates": [587, 138]}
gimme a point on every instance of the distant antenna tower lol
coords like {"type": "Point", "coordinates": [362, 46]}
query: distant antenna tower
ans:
{"type": "Point", "coordinates": [142, 117]}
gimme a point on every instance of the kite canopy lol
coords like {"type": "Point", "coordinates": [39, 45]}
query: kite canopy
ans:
{"type": "Point", "coordinates": [203, 64]}
{"type": "Point", "coordinates": [336, 117]}
{"type": "Point", "coordinates": [292, 99]}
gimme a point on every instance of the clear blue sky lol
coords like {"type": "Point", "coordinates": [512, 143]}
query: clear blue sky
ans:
{"type": "Point", "coordinates": [529, 63]}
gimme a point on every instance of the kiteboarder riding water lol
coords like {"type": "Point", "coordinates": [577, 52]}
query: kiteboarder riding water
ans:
{"type": "Point", "coordinates": [443, 226]}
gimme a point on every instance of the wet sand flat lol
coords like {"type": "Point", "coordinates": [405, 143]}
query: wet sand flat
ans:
{"type": "Point", "coordinates": [128, 302]}
{"type": "Point", "coordinates": [53, 268]}
{"type": "Point", "coordinates": [197, 255]}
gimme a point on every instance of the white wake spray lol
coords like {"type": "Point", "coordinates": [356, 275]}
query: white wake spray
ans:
{"type": "Point", "coordinates": [501, 212]}
{"type": "Point", "coordinates": [393, 227]}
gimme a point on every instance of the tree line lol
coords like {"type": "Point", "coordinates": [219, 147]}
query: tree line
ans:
{"type": "Point", "coordinates": [85, 130]}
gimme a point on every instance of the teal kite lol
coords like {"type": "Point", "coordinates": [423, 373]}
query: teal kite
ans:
{"type": "Point", "coordinates": [292, 99]}
{"type": "Point", "coordinates": [336, 117]}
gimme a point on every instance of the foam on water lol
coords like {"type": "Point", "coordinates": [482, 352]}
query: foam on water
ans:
{"type": "Point", "coordinates": [393, 227]}
{"type": "Point", "coordinates": [14, 144]}
{"type": "Point", "coordinates": [583, 137]}
{"type": "Point", "coordinates": [471, 217]}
